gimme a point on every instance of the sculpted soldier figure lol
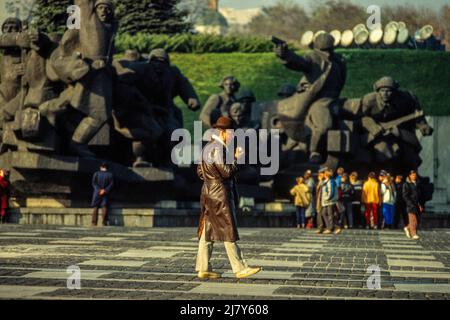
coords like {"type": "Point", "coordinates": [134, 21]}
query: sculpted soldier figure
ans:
{"type": "Point", "coordinates": [11, 64]}
{"type": "Point", "coordinates": [169, 83]}
{"type": "Point", "coordinates": [219, 104]}
{"type": "Point", "coordinates": [144, 110]}
{"type": "Point", "coordinates": [134, 117]}
{"type": "Point", "coordinates": [32, 49]}
{"type": "Point", "coordinates": [389, 103]}
{"type": "Point", "coordinates": [242, 116]}
{"type": "Point", "coordinates": [12, 61]}
{"type": "Point", "coordinates": [322, 62]}
{"type": "Point", "coordinates": [92, 92]}
{"type": "Point", "coordinates": [292, 117]}
{"type": "Point", "coordinates": [241, 111]}
{"type": "Point", "coordinates": [132, 55]}
{"type": "Point", "coordinates": [160, 83]}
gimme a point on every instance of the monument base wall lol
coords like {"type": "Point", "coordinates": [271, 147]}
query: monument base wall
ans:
{"type": "Point", "coordinates": [173, 214]}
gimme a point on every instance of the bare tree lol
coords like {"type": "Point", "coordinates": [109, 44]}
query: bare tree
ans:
{"type": "Point", "coordinates": [285, 19]}
{"type": "Point", "coordinates": [332, 14]}
{"type": "Point", "coordinates": [21, 9]}
{"type": "Point", "coordinates": [414, 17]}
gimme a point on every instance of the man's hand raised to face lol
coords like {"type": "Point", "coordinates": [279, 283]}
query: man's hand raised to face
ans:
{"type": "Point", "coordinates": [239, 153]}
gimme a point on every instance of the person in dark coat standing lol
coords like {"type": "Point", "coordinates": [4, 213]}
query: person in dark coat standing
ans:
{"type": "Point", "coordinates": [218, 203]}
{"type": "Point", "coordinates": [414, 204]}
{"type": "Point", "coordinates": [400, 205]}
{"type": "Point", "coordinates": [319, 220]}
{"type": "Point", "coordinates": [102, 182]}
{"type": "Point", "coordinates": [4, 196]}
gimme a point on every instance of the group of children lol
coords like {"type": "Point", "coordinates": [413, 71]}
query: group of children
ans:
{"type": "Point", "coordinates": [335, 202]}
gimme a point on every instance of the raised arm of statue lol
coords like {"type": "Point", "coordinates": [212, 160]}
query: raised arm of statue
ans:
{"type": "Point", "coordinates": [86, 9]}
{"type": "Point", "coordinates": [9, 40]}
{"type": "Point", "coordinates": [87, 13]}
{"type": "Point", "coordinates": [295, 62]}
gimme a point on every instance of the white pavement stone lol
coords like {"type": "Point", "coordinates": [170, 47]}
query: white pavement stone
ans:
{"type": "Point", "coordinates": [297, 249]}
{"type": "Point", "coordinates": [180, 249]}
{"type": "Point", "coordinates": [73, 242]}
{"type": "Point", "coordinates": [19, 234]}
{"type": "Point", "coordinates": [113, 263]}
{"type": "Point", "coordinates": [427, 288]}
{"type": "Point", "coordinates": [62, 274]}
{"type": "Point", "coordinates": [236, 289]}
{"type": "Point", "coordinates": [9, 255]}
{"type": "Point", "coordinates": [313, 241]}
{"type": "Point", "coordinates": [248, 233]}
{"type": "Point", "coordinates": [103, 239]}
{"type": "Point", "coordinates": [23, 292]}
{"type": "Point", "coordinates": [280, 254]}
{"type": "Point", "coordinates": [148, 253]}
{"type": "Point", "coordinates": [75, 228]}
{"type": "Point", "coordinates": [50, 231]}
{"type": "Point", "coordinates": [414, 263]}
{"type": "Point", "coordinates": [413, 257]}
{"type": "Point", "coordinates": [406, 246]}
{"type": "Point", "coordinates": [303, 245]}
{"type": "Point", "coordinates": [274, 263]}
{"type": "Point", "coordinates": [405, 241]}
{"type": "Point", "coordinates": [118, 234]}
{"type": "Point", "coordinates": [267, 275]}
{"type": "Point", "coordinates": [425, 275]}
{"type": "Point", "coordinates": [392, 232]}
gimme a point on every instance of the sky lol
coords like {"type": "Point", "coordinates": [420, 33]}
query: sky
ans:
{"type": "Point", "coordinates": [244, 4]}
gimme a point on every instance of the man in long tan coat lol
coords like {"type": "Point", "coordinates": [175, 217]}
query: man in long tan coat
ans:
{"type": "Point", "coordinates": [218, 201]}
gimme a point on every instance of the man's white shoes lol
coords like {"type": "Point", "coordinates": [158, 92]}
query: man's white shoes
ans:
{"type": "Point", "coordinates": [247, 272]}
{"type": "Point", "coordinates": [407, 232]}
{"type": "Point", "coordinates": [208, 275]}
{"type": "Point", "coordinates": [416, 237]}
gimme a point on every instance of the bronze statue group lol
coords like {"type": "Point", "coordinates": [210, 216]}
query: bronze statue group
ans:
{"type": "Point", "coordinates": [68, 96]}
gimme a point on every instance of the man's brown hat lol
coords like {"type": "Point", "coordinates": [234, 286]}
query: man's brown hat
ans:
{"type": "Point", "coordinates": [224, 123]}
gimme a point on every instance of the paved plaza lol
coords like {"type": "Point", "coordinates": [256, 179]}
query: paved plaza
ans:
{"type": "Point", "coordinates": [125, 263]}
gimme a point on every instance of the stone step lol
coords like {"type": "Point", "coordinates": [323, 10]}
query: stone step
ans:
{"type": "Point", "coordinates": [169, 214]}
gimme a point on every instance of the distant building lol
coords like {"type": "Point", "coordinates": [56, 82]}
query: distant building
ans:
{"type": "Point", "coordinates": [238, 18]}
{"type": "Point", "coordinates": [218, 20]}
{"type": "Point", "coordinates": [212, 21]}
{"type": "Point", "coordinates": [213, 5]}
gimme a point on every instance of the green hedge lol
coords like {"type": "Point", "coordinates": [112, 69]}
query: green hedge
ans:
{"type": "Point", "coordinates": [188, 43]}
{"type": "Point", "coordinates": [425, 73]}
